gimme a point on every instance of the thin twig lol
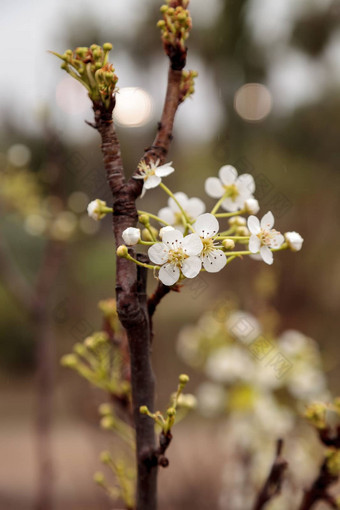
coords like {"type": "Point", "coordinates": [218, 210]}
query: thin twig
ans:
{"type": "Point", "coordinates": [273, 483]}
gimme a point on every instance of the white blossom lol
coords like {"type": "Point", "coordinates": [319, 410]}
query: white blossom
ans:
{"type": "Point", "coordinates": [236, 188]}
{"type": "Point", "coordinates": [229, 364]}
{"type": "Point", "coordinates": [294, 240]}
{"type": "Point", "coordinates": [207, 227]}
{"type": "Point", "coordinates": [212, 399]}
{"type": "Point", "coordinates": [243, 326]}
{"type": "Point", "coordinates": [193, 207]}
{"type": "Point", "coordinates": [251, 206]}
{"type": "Point", "coordinates": [95, 209]}
{"type": "Point", "coordinates": [264, 236]}
{"type": "Point", "coordinates": [152, 174]}
{"type": "Point", "coordinates": [131, 236]}
{"type": "Point", "coordinates": [177, 254]}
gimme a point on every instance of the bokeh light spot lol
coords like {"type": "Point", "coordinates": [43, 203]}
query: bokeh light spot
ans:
{"type": "Point", "coordinates": [78, 201]}
{"type": "Point", "coordinates": [71, 96]}
{"type": "Point", "coordinates": [19, 155]}
{"type": "Point", "coordinates": [133, 108]}
{"type": "Point", "coordinates": [253, 102]}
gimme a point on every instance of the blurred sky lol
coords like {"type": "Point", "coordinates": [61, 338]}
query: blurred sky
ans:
{"type": "Point", "coordinates": [31, 78]}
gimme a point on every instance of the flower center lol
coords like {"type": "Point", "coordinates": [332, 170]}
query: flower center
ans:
{"type": "Point", "coordinates": [266, 236]}
{"type": "Point", "coordinates": [231, 191]}
{"type": "Point", "coordinates": [177, 256]}
{"type": "Point", "coordinates": [208, 245]}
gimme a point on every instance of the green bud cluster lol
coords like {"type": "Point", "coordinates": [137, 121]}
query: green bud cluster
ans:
{"type": "Point", "coordinates": [333, 461]}
{"type": "Point", "coordinates": [91, 68]}
{"type": "Point", "coordinates": [100, 361]}
{"type": "Point", "coordinates": [316, 414]}
{"type": "Point", "coordinates": [167, 421]}
{"type": "Point", "coordinates": [175, 25]}
{"type": "Point", "coordinates": [187, 86]}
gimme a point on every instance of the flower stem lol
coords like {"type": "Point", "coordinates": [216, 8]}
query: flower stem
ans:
{"type": "Point", "coordinates": [154, 217]}
{"type": "Point", "coordinates": [228, 214]}
{"type": "Point", "coordinates": [185, 217]}
{"type": "Point", "coordinates": [142, 264]}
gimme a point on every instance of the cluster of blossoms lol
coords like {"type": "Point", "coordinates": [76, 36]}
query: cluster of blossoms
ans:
{"type": "Point", "coordinates": [260, 382]}
{"type": "Point", "coordinates": [188, 239]}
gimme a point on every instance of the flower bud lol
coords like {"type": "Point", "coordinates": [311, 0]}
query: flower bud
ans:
{"type": "Point", "coordinates": [69, 360]}
{"type": "Point", "coordinates": [171, 411]}
{"type": "Point", "coordinates": [96, 209]}
{"type": "Point", "coordinates": [105, 409]}
{"type": "Point", "coordinates": [146, 235]}
{"type": "Point", "coordinates": [131, 236]}
{"type": "Point", "coordinates": [294, 240]}
{"type": "Point", "coordinates": [251, 206]}
{"type": "Point", "coordinates": [164, 229]}
{"type": "Point", "coordinates": [143, 410]}
{"type": "Point", "coordinates": [122, 251]}
{"type": "Point", "coordinates": [333, 462]}
{"type": "Point", "coordinates": [184, 379]}
{"type": "Point", "coordinates": [105, 457]}
{"type": "Point", "coordinates": [228, 244]}
{"type": "Point", "coordinates": [107, 422]}
{"type": "Point", "coordinates": [144, 219]}
{"type": "Point", "coordinates": [107, 46]}
{"type": "Point", "coordinates": [79, 349]}
{"type": "Point", "coordinates": [99, 478]}
{"type": "Point", "coordinates": [242, 231]}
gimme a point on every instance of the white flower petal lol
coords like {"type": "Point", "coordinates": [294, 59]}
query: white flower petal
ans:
{"type": "Point", "coordinates": [213, 187]}
{"type": "Point", "coordinates": [158, 253]}
{"type": "Point", "coordinates": [246, 181]}
{"type": "Point", "coordinates": [182, 198]}
{"type": "Point", "coordinates": [191, 267]}
{"type": "Point", "coordinates": [143, 191]}
{"type": "Point", "coordinates": [172, 238]}
{"type": "Point", "coordinates": [254, 244]}
{"type": "Point", "coordinates": [227, 174]}
{"type": "Point", "coordinates": [192, 244]}
{"type": "Point", "coordinates": [206, 225]}
{"type": "Point", "coordinates": [152, 182]}
{"type": "Point", "coordinates": [195, 207]}
{"type": "Point", "coordinates": [169, 274]}
{"type": "Point", "coordinates": [214, 261]}
{"type": "Point", "coordinates": [267, 221]}
{"type": "Point", "coordinates": [166, 214]}
{"type": "Point", "coordinates": [266, 254]}
{"type": "Point", "coordinates": [231, 205]}
{"type": "Point", "coordinates": [164, 170]}
{"type": "Point", "coordinates": [254, 225]}
{"type": "Point", "coordinates": [277, 240]}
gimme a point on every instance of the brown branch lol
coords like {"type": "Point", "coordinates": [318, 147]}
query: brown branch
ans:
{"type": "Point", "coordinates": [142, 380]}
{"type": "Point", "coordinates": [161, 144]}
{"type": "Point", "coordinates": [319, 489]}
{"type": "Point", "coordinates": [273, 483]}
{"type": "Point", "coordinates": [131, 299]}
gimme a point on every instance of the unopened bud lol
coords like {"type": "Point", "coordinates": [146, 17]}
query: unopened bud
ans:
{"type": "Point", "coordinates": [184, 379]}
{"type": "Point", "coordinates": [69, 360]}
{"type": "Point", "coordinates": [228, 244]}
{"type": "Point", "coordinates": [105, 457]}
{"type": "Point", "coordinates": [107, 46]}
{"type": "Point", "coordinates": [122, 251]}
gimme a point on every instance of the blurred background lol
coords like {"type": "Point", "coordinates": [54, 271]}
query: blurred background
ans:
{"type": "Point", "coordinates": [267, 101]}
